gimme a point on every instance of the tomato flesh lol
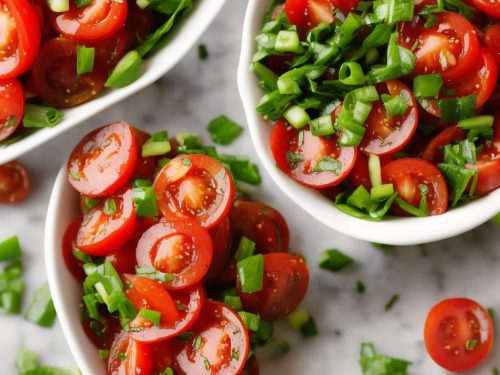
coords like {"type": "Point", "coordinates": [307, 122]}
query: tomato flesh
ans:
{"type": "Point", "coordinates": [309, 13]}
{"type": "Point", "coordinates": [433, 151]}
{"type": "Point", "coordinates": [15, 183]}
{"type": "Point", "coordinates": [450, 329]}
{"type": "Point", "coordinates": [492, 41]}
{"type": "Point", "coordinates": [11, 107]}
{"type": "Point", "coordinates": [129, 357]}
{"type": "Point", "coordinates": [490, 7]}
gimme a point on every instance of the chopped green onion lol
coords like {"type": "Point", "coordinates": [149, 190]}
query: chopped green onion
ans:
{"type": "Point", "coordinates": [298, 318]}
{"type": "Point", "coordinates": [168, 371]}
{"type": "Point", "coordinates": [360, 287]}
{"type": "Point", "coordinates": [202, 52]}
{"type": "Point", "coordinates": [245, 249]}
{"type": "Point", "coordinates": [373, 363]}
{"type": "Point", "coordinates": [297, 117]}
{"type": "Point", "coordinates": [334, 260]}
{"type": "Point", "coordinates": [264, 333]}
{"type": "Point", "coordinates": [82, 3]}
{"type": "Point", "coordinates": [361, 111]}
{"type": "Point", "coordinates": [150, 315]}
{"type": "Point", "coordinates": [152, 273]}
{"type": "Point", "coordinates": [109, 207]}
{"type": "Point", "coordinates": [39, 116]}
{"type": "Point", "coordinates": [293, 158]}
{"type": "Point", "coordinates": [81, 256]}
{"type": "Point", "coordinates": [141, 182]}
{"type": "Point", "coordinates": [288, 86]}
{"type": "Point", "coordinates": [251, 273]}
{"type": "Point", "coordinates": [41, 310]}
{"type": "Point", "coordinates": [309, 329]}
{"type": "Point", "coordinates": [351, 73]}
{"type": "Point", "coordinates": [233, 302]}
{"type": "Point", "coordinates": [84, 60]}
{"type": "Point", "coordinates": [477, 122]}
{"type": "Point", "coordinates": [322, 126]}
{"type": "Point", "coordinates": [10, 301]}
{"type": "Point", "coordinates": [59, 6]}
{"type": "Point", "coordinates": [428, 85]}
{"type": "Point", "coordinates": [145, 201]}
{"type": "Point", "coordinates": [267, 76]}
{"type": "Point", "coordinates": [471, 344]}
{"type": "Point", "coordinates": [157, 145]}
{"type": "Point", "coordinates": [126, 71]}
{"type": "Point", "coordinates": [90, 203]}
{"type": "Point", "coordinates": [287, 41]}
{"type": "Point", "coordinates": [392, 301]}
{"type": "Point", "coordinates": [395, 105]}
{"type": "Point", "coordinates": [457, 178]}
{"type": "Point", "coordinates": [10, 249]}
{"type": "Point", "coordinates": [251, 321]}
{"type": "Point", "coordinates": [103, 354]}
{"type": "Point", "coordinates": [382, 192]}
{"type": "Point", "coordinates": [372, 56]}
{"type": "Point", "coordinates": [455, 109]}
{"type": "Point", "coordinates": [223, 130]}
{"type": "Point", "coordinates": [375, 170]}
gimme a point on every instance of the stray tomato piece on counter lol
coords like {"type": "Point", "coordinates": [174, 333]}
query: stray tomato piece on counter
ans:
{"type": "Point", "coordinates": [15, 183]}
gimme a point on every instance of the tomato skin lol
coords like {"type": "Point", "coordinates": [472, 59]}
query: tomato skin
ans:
{"type": "Point", "coordinates": [97, 20]}
{"type": "Point", "coordinates": [488, 168]}
{"type": "Point", "coordinates": [23, 38]}
{"type": "Point", "coordinates": [286, 139]}
{"type": "Point", "coordinates": [180, 247]}
{"type": "Point", "coordinates": [73, 265]}
{"type": "Point", "coordinates": [138, 357]}
{"type": "Point", "coordinates": [407, 173]}
{"type": "Point", "coordinates": [15, 183]}
{"type": "Point", "coordinates": [194, 187]}
{"type": "Point", "coordinates": [286, 278]}
{"type": "Point", "coordinates": [451, 47]}
{"type": "Point", "coordinates": [449, 325]}
{"type": "Point", "coordinates": [492, 41]}
{"type": "Point", "coordinates": [124, 258]}
{"type": "Point", "coordinates": [104, 160]}
{"type": "Point", "coordinates": [140, 23]}
{"type": "Point", "coordinates": [11, 107]}
{"type": "Point", "coordinates": [103, 234]}
{"type": "Point", "coordinates": [225, 343]}
{"type": "Point", "coordinates": [491, 8]}
{"type": "Point", "coordinates": [433, 153]}
{"type": "Point", "coordinates": [309, 13]}
{"type": "Point", "coordinates": [54, 75]}
{"type": "Point", "coordinates": [385, 134]}
{"type": "Point", "coordinates": [296, 12]}
{"type": "Point", "coordinates": [260, 223]}
{"type": "Point", "coordinates": [220, 239]}
{"type": "Point", "coordinates": [110, 50]}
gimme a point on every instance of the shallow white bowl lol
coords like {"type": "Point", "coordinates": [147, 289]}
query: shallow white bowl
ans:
{"type": "Point", "coordinates": [394, 231]}
{"type": "Point", "coordinates": [185, 34]}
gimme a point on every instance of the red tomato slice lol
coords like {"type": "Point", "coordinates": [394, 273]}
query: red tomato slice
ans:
{"type": "Point", "coordinates": [492, 41]}
{"type": "Point", "coordinates": [260, 223]}
{"type": "Point", "coordinates": [179, 309]}
{"type": "Point", "coordinates": [433, 151]}
{"type": "Point", "coordinates": [142, 224]}
{"type": "Point", "coordinates": [488, 168]}
{"type": "Point", "coordinates": [450, 328]}
{"type": "Point", "coordinates": [385, 134]}
{"type": "Point", "coordinates": [196, 187]}
{"type": "Point", "coordinates": [286, 141]}
{"type": "Point", "coordinates": [19, 37]}
{"type": "Point", "coordinates": [286, 278]}
{"type": "Point", "coordinates": [360, 175]}
{"type": "Point", "coordinates": [104, 160]}
{"type": "Point", "coordinates": [146, 166]}
{"type": "Point", "coordinates": [11, 107]}
{"type": "Point", "coordinates": [15, 183]}
{"type": "Point", "coordinates": [490, 7]}
{"type": "Point", "coordinates": [54, 75]}
{"type": "Point", "coordinates": [140, 23]}
{"type": "Point", "coordinates": [451, 47]}
{"type": "Point", "coordinates": [309, 13]}
{"type": "Point", "coordinates": [129, 357]}
{"type": "Point", "coordinates": [296, 12]}
{"type": "Point", "coordinates": [407, 173]}
{"type": "Point", "coordinates": [110, 50]}
{"type": "Point", "coordinates": [97, 20]}
{"type": "Point", "coordinates": [179, 247]}
{"type": "Point", "coordinates": [220, 239]}
{"type": "Point", "coordinates": [102, 336]}
{"type": "Point", "coordinates": [102, 233]}
{"type": "Point", "coordinates": [346, 6]}
{"type": "Point", "coordinates": [73, 265]}
{"type": "Point", "coordinates": [224, 343]}
{"type": "Point", "coordinates": [123, 259]}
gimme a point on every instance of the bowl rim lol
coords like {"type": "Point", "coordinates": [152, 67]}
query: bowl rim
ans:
{"type": "Point", "coordinates": [392, 231]}
{"type": "Point", "coordinates": [182, 38]}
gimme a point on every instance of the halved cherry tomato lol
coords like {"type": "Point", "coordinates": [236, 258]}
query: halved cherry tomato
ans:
{"type": "Point", "coordinates": [54, 75]}
{"type": "Point", "coordinates": [309, 13]}
{"type": "Point", "coordinates": [146, 166]}
{"type": "Point", "coordinates": [15, 183]}
{"type": "Point", "coordinates": [360, 174]}
{"type": "Point", "coordinates": [104, 233]}
{"type": "Point", "coordinates": [220, 239]}
{"type": "Point", "coordinates": [458, 334]}
{"type": "Point", "coordinates": [129, 357]}
{"type": "Point", "coordinates": [73, 265]}
{"type": "Point", "coordinates": [450, 47]}
{"type": "Point", "coordinates": [179, 309]}
{"type": "Point", "coordinates": [388, 134]}
{"type": "Point", "coordinates": [286, 278]}
{"type": "Point", "coordinates": [11, 107]}
{"type": "Point", "coordinates": [194, 186]}
{"type": "Point", "coordinates": [164, 353]}
{"type": "Point", "coordinates": [102, 336]}
{"type": "Point", "coordinates": [124, 258]}
{"type": "Point", "coordinates": [346, 6]}
{"type": "Point", "coordinates": [97, 20]}
{"type": "Point", "coordinates": [298, 156]}
{"type": "Point", "coordinates": [224, 343]}
{"type": "Point", "coordinates": [407, 173]}
{"type": "Point", "coordinates": [19, 37]}
{"type": "Point", "coordinates": [488, 168]}
{"type": "Point", "coordinates": [260, 223]}
{"type": "Point", "coordinates": [104, 160]}
{"type": "Point", "coordinates": [110, 50]}
{"type": "Point", "coordinates": [433, 151]}
{"type": "Point", "coordinates": [492, 41]}
{"type": "Point", "coordinates": [140, 23]}
{"type": "Point", "coordinates": [490, 7]}
{"type": "Point", "coordinates": [179, 247]}
{"type": "Point", "coordinates": [142, 224]}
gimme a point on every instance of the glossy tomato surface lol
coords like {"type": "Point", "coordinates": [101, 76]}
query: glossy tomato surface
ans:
{"type": "Point", "coordinates": [299, 156]}
{"type": "Point", "coordinates": [11, 107]}
{"type": "Point", "coordinates": [286, 279]}
{"type": "Point", "coordinates": [309, 13]}
{"type": "Point", "coordinates": [15, 183]}
{"type": "Point", "coordinates": [433, 151]}
{"type": "Point", "coordinates": [492, 41]}
{"type": "Point", "coordinates": [194, 187]}
{"type": "Point", "coordinates": [68, 244]}
{"type": "Point", "coordinates": [224, 343]}
{"type": "Point", "coordinates": [104, 160]}
{"type": "Point", "coordinates": [490, 7]}
{"type": "Point", "coordinates": [129, 357]}
{"type": "Point", "coordinates": [179, 247]}
{"type": "Point", "coordinates": [458, 334]}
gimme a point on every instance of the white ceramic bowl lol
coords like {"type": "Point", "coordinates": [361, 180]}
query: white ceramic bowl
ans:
{"type": "Point", "coordinates": [394, 231]}
{"type": "Point", "coordinates": [183, 37]}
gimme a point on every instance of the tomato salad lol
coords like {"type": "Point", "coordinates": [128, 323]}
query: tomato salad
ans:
{"type": "Point", "coordinates": [62, 53]}
{"type": "Point", "coordinates": [384, 106]}
{"type": "Point", "coordinates": [178, 275]}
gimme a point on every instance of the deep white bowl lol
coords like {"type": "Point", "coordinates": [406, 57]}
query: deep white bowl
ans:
{"type": "Point", "coordinates": [394, 231]}
{"type": "Point", "coordinates": [185, 34]}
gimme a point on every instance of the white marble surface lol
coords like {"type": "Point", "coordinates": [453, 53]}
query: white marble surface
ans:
{"type": "Point", "coordinates": [186, 100]}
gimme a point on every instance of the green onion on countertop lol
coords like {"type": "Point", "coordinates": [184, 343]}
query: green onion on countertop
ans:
{"type": "Point", "coordinates": [41, 310]}
{"type": "Point", "coordinates": [334, 260]}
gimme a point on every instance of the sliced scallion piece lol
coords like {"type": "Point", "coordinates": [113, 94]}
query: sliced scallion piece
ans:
{"type": "Point", "coordinates": [287, 41]}
{"type": "Point", "coordinates": [322, 126]}
{"type": "Point", "coordinates": [298, 318]}
{"type": "Point", "coordinates": [245, 249]}
{"type": "Point", "coordinates": [251, 273]}
{"type": "Point", "coordinates": [41, 311]}
{"type": "Point", "coordinates": [382, 192]}
{"type": "Point", "coordinates": [334, 260]}
{"type": "Point", "coordinates": [428, 85]}
{"type": "Point", "coordinates": [351, 73]}
{"type": "Point", "coordinates": [145, 201]}
{"type": "Point", "coordinates": [150, 315]}
{"type": "Point", "coordinates": [297, 117]}
{"type": "Point", "coordinates": [477, 122]}
{"type": "Point", "coordinates": [10, 249]}
{"type": "Point", "coordinates": [84, 60]}
{"type": "Point", "coordinates": [39, 116]}
{"type": "Point", "coordinates": [126, 71]}
{"type": "Point", "coordinates": [59, 6]}
{"type": "Point", "coordinates": [375, 170]}
{"type": "Point", "coordinates": [157, 145]}
{"type": "Point", "coordinates": [251, 321]}
{"type": "Point", "coordinates": [394, 105]}
{"type": "Point", "coordinates": [224, 130]}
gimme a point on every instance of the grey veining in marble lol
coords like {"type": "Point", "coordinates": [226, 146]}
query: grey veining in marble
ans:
{"type": "Point", "coordinates": [191, 95]}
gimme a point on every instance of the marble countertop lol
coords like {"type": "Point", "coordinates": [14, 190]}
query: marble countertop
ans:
{"type": "Point", "coordinates": [192, 94]}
